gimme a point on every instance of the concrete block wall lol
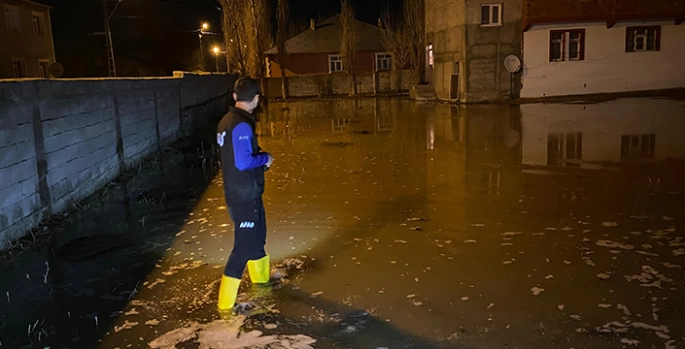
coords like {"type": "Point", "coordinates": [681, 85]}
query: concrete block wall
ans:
{"type": "Point", "coordinates": [18, 169]}
{"type": "Point", "coordinates": [337, 84]}
{"type": "Point", "coordinates": [446, 33]}
{"type": "Point", "coordinates": [483, 72]}
{"type": "Point", "coordinates": [61, 140]}
{"type": "Point", "coordinates": [305, 86]}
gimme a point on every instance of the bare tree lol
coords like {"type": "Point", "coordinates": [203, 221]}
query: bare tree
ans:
{"type": "Point", "coordinates": [397, 40]}
{"type": "Point", "coordinates": [259, 36]}
{"type": "Point", "coordinates": [348, 40]}
{"type": "Point", "coordinates": [247, 33]}
{"type": "Point", "coordinates": [413, 19]}
{"type": "Point", "coordinates": [281, 37]}
{"type": "Point", "coordinates": [234, 25]}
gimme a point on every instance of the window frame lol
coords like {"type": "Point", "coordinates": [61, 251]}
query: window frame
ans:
{"type": "Point", "coordinates": [23, 69]}
{"type": "Point", "coordinates": [44, 70]}
{"type": "Point", "coordinates": [9, 21]}
{"type": "Point", "coordinates": [565, 44]}
{"type": "Point", "coordinates": [657, 38]}
{"type": "Point", "coordinates": [331, 61]}
{"type": "Point", "coordinates": [568, 147]}
{"type": "Point", "coordinates": [39, 19]}
{"type": "Point", "coordinates": [387, 56]}
{"type": "Point", "coordinates": [638, 146]}
{"type": "Point", "coordinates": [491, 16]}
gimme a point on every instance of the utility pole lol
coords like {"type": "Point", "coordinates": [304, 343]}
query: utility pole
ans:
{"type": "Point", "coordinates": [200, 34]}
{"type": "Point", "coordinates": [111, 64]}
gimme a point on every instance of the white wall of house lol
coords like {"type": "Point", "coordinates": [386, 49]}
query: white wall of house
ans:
{"type": "Point", "coordinates": [606, 67]}
{"type": "Point", "coordinates": [602, 126]}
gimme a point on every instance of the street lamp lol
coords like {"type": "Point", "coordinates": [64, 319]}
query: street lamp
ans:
{"type": "Point", "coordinates": [216, 57]}
{"type": "Point", "coordinates": [201, 33]}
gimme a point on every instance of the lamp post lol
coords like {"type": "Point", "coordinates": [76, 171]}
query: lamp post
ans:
{"type": "Point", "coordinates": [200, 34]}
{"type": "Point", "coordinates": [216, 57]}
{"type": "Point", "coordinates": [111, 64]}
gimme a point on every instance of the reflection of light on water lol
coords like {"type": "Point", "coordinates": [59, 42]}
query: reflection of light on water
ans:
{"type": "Point", "coordinates": [431, 135]}
{"type": "Point", "coordinates": [207, 234]}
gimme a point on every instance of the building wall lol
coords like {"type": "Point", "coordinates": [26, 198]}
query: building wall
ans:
{"type": "Point", "coordinates": [602, 126]}
{"type": "Point", "coordinates": [607, 67]}
{"type": "Point", "coordinates": [25, 44]}
{"type": "Point", "coordinates": [445, 31]}
{"type": "Point", "coordinates": [326, 85]}
{"type": "Point", "coordinates": [317, 63]}
{"type": "Point", "coordinates": [486, 48]}
{"type": "Point", "coordinates": [61, 140]}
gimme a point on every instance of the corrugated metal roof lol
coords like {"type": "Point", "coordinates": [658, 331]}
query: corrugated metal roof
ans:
{"type": "Point", "coordinates": [326, 38]}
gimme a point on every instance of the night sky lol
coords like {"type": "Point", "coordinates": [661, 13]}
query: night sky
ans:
{"type": "Point", "coordinates": [159, 31]}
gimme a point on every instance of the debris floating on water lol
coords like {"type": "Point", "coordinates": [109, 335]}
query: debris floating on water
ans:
{"type": "Point", "coordinates": [126, 326]}
{"type": "Point", "coordinates": [604, 276]}
{"type": "Point", "coordinates": [537, 290]}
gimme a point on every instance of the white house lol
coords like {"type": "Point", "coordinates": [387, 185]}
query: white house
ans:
{"type": "Point", "coordinates": [602, 57]}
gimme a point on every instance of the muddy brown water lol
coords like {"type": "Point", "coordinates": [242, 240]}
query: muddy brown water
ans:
{"type": "Point", "coordinates": [419, 225]}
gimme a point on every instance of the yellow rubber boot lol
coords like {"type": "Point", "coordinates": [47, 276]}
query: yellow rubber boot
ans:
{"type": "Point", "coordinates": [228, 292]}
{"type": "Point", "coordinates": [260, 270]}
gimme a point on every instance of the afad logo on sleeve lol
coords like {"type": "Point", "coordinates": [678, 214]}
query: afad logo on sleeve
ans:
{"type": "Point", "coordinates": [220, 137]}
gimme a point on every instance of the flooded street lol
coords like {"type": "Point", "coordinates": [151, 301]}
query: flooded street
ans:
{"type": "Point", "coordinates": [398, 225]}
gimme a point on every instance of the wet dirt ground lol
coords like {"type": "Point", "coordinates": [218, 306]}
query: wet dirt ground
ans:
{"type": "Point", "coordinates": [398, 225]}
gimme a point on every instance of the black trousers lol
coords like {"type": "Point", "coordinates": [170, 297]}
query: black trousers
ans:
{"type": "Point", "coordinates": [249, 220]}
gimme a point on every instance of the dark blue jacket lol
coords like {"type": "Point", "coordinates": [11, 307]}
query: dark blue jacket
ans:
{"type": "Point", "coordinates": [241, 160]}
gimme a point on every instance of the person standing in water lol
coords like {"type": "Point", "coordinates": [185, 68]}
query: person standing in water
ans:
{"type": "Point", "coordinates": [243, 164]}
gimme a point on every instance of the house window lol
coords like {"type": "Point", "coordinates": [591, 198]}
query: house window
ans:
{"type": "Point", "coordinates": [38, 23]}
{"type": "Point", "coordinates": [429, 50]}
{"type": "Point", "coordinates": [562, 147]}
{"type": "Point", "coordinates": [566, 45]}
{"type": "Point", "coordinates": [44, 68]}
{"type": "Point", "coordinates": [19, 67]}
{"type": "Point", "coordinates": [637, 146]}
{"type": "Point", "coordinates": [491, 15]}
{"type": "Point", "coordinates": [641, 39]}
{"type": "Point", "coordinates": [383, 61]}
{"type": "Point", "coordinates": [12, 18]}
{"type": "Point", "coordinates": [335, 63]}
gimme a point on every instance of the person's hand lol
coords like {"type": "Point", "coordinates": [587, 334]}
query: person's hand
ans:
{"type": "Point", "coordinates": [269, 162]}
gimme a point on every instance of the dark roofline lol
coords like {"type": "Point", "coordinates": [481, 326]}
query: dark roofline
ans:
{"type": "Point", "coordinates": [528, 23]}
{"type": "Point", "coordinates": [38, 4]}
{"type": "Point", "coordinates": [315, 28]}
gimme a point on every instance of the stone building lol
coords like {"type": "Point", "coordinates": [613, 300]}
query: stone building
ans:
{"type": "Point", "coordinates": [26, 43]}
{"type": "Point", "coordinates": [466, 44]}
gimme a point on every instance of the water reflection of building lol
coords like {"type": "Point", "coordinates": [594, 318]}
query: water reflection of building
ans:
{"type": "Point", "coordinates": [444, 145]}
{"type": "Point", "coordinates": [587, 135]}
{"type": "Point", "coordinates": [493, 181]}
{"type": "Point", "coordinates": [493, 147]}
